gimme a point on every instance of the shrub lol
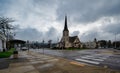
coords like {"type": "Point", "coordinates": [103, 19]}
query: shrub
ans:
{"type": "Point", "coordinates": [6, 54]}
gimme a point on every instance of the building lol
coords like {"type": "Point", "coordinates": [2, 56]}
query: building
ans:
{"type": "Point", "coordinates": [2, 42]}
{"type": "Point", "coordinates": [68, 41]}
{"type": "Point", "coordinates": [91, 44]}
{"type": "Point", "coordinates": [103, 44]}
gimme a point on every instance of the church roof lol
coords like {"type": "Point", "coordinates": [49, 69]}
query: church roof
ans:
{"type": "Point", "coordinates": [72, 39]}
{"type": "Point", "coordinates": [65, 27]}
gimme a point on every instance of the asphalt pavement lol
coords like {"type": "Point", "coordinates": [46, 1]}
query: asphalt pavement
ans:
{"type": "Point", "coordinates": [35, 62]}
{"type": "Point", "coordinates": [108, 58]}
{"type": "Point", "coordinates": [4, 63]}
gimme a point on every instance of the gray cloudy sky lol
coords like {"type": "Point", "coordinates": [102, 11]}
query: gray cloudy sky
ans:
{"type": "Point", "coordinates": [44, 19]}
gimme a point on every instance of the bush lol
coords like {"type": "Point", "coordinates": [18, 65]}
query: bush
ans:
{"type": "Point", "coordinates": [6, 54]}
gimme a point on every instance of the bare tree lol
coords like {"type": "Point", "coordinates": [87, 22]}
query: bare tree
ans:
{"type": "Point", "coordinates": [6, 26]}
{"type": "Point", "coordinates": [5, 29]}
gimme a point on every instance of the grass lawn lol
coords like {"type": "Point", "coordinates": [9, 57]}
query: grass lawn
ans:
{"type": "Point", "coordinates": [6, 54]}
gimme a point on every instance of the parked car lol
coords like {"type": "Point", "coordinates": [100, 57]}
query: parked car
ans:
{"type": "Point", "coordinates": [24, 48]}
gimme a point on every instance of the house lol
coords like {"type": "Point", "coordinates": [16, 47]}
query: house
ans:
{"type": "Point", "coordinates": [68, 41]}
{"type": "Point", "coordinates": [91, 44]}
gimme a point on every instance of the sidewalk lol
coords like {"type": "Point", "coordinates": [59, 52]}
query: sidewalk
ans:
{"type": "Point", "coordinates": [4, 63]}
{"type": "Point", "coordinates": [32, 62]}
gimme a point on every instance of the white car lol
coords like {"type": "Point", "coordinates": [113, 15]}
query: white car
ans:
{"type": "Point", "coordinates": [24, 48]}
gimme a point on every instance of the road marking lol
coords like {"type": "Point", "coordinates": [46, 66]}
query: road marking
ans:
{"type": "Point", "coordinates": [98, 59]}
{"type": "Point", "coordinates": [89, 56]}
{"type": "Point", "coordinates": [92, 58]}
{"type": "Point", "coordinates": [76, 63]}
{"type": "Point", "coordinates": [88, 61]}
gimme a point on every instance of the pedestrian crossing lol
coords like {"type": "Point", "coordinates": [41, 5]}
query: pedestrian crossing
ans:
{"type": "Point", "coordinates": [92, 59]}
{"type": "Point", "coordinates": [88, 61]}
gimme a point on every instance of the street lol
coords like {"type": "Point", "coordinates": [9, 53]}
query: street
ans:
{"type": "Point", "coordinates": [108, 58]}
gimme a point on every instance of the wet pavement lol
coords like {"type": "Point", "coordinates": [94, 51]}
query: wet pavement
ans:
{"type": "Point", "coordinates": [33, 62]}
{"type": "Point", "coordinates": [100, 57]}
{"type": "Point", "coordinates": [4, 63]}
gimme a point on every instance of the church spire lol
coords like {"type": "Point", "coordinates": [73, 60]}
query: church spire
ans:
{"type": "Point", "coordinates": [65, 27]}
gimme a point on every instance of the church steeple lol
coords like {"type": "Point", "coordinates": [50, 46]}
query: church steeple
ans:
{"type": "Point", "coordinates": [66, 31]}
{"type": "Point", "coordinates": [65, 27]}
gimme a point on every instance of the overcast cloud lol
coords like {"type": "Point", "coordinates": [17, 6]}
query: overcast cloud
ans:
{"type": "Point", "coordinates": [44, 19]}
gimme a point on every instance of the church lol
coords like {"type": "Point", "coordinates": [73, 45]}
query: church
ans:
{"type": "Point", "coordinates": [68, 41]}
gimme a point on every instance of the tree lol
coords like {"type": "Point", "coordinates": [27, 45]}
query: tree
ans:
{"type": "Point", "coordinates": [5, 29]}
{"type": "Point", "coordinates": [103, 43]}
{"type": "Point", "coordinates": [49, 43]}
{"type": "Point", "coordinates": [6, 26]}
{"type": "Point", "coordinates": [109, 44]}
{"type": "Point", "coordinates": [116, 44]}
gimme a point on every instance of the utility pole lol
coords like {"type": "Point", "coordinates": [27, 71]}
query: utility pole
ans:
{"type": "Point", "coordinates": [115, 40]}
{"type": "Point", "coordinates": [43, 46]}
{"type": "Point", "coordinates": [28, 45]}
{"type": "Point", "coordinates": [58, 43]}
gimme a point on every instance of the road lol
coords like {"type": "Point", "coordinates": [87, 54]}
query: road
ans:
{"type": "Point", "coordinates": [100, 57]}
